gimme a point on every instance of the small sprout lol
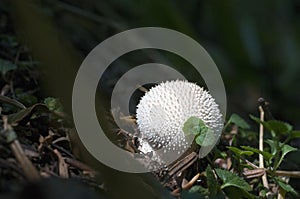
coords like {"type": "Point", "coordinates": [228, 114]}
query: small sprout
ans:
{"type": "Point", "coordinates": [53, 104]}
{"type": "Point", "coordinates": [195, 126]}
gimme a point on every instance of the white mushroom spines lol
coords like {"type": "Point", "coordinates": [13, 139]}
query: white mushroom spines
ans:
{"type": "Point", "coordinates": [163, 110]}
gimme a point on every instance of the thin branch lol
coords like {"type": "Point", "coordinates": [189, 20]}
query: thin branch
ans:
{"type": "Point", "coordinates": [30, 171]}
{"type": "Point", "coordinates": [291, 174]}
{"type": "Point", "coordinates": [62, 165]}
{"type": "Point", "coordinates": [15, 103]}
{"type": "Point", "coordinates": [261, 147]}
{"type": "Point", "coordinates": [187, 185]}
{"type": "Point", "coordinates": [142, 88]}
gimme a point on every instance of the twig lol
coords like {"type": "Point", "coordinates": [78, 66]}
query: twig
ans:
{"type": "Point", "coordinates": [251, 164]}
{"type": "Point", "coordinates": [182, 164]}
{"type": "Point", "coordinates": [187, 185]}
{"type": "Point", "coordinates": [29, 170]}
{"type": "Point", "coordinates": [261, 147]}
{"type": "Point", "coordinates": [142, 88]}
{"type": "Point", "coordinates": [254, 173]}
{"type": "Point", "coordinates": [63, 167]}
{"type": "Point", "coordinates": [61, 149]}
{"type": "Point", "coordinates": [7, 100]}
{"type": "Point", "coordinates": [191, 182]}
{"type": "Point", "coordinates": [291, 174]}
{"type": "Point", "coordinates": [79, 165]}
{"type": "Point", "coordinates": [265, 105]}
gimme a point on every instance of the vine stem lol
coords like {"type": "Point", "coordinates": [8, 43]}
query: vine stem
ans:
{"type": "Point", "coordinates": [261, 146]}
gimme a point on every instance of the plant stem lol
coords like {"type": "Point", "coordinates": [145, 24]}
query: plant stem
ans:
{"type": "Point", "coordinates": [261, 147]}
{"type": "Point", "coordinates": [291, 174]}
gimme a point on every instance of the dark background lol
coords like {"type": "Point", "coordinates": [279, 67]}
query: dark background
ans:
{"type": "Point", "coordinates": [255, 44]}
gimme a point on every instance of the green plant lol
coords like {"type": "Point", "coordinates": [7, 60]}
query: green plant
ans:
{"type": "Point", "coordinates": [203, 134]}
{"type": "Point", "coordinates": [241, 178]}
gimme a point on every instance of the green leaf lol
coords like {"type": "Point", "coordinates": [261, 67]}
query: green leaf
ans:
{"type": "Point", "coordinates": [268, 156]}
{"type": "Point", "coordinates": [278, 127]}
{"type": "Point", "coordinates": [285, 149]}
{"type": "Point", "coordinates": [256, 119]}
{"type": "Point", "coordinates": [240, 122]}
{"type": "Point", "coordinates": [206, 138]}
{"type": "Point", "coordinates": [53, 104]}
{"type": "Point", "coordinates": [192, 195]}
{"type": "Point", "coordinates": [199, 189]}
{"type": "Point", "coordinates": [6, 66]}
{"type": "Point", "coordinates": [193, 126]}
{"type": "Point", "coordinates": [273, 144]}
{"type": "Point", "coordinates": [240, 152]}
{"type": "Point", "coordinates": [212, 183]}
{"type": "Point", "coordinates": [25, 114]}
{"type": "Point", "coordinates": [236, 193]}
{"type": "Point", "coordinates": [287, 187]}
{"type": "Point", "coordinates": [231, 179]}
{"type": "Point", "coordinates": [295, 134]}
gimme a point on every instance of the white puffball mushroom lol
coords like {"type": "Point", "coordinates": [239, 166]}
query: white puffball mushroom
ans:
{"type": "Point", "coordinates": [163, 110]}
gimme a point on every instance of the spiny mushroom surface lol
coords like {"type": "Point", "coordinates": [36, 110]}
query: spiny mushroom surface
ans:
{"type": "Point", "coordinates": [163, 110]}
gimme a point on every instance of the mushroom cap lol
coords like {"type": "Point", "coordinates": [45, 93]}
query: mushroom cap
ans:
{"type": "Point", "coordinates": [163, 110]}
